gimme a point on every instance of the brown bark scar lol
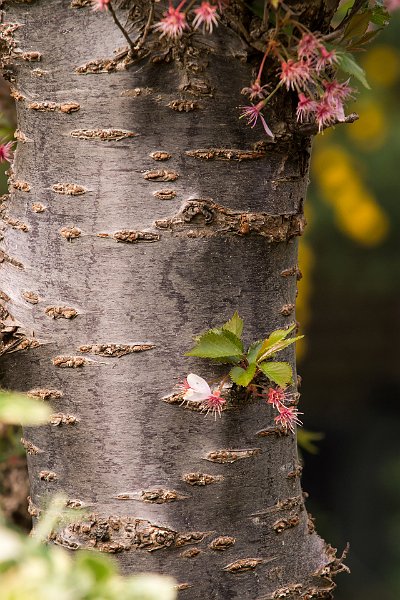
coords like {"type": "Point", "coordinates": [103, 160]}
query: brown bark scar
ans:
{"type": "Point", "coordinates": [103, 134]}
{"type": "Point", "coordinates": [226, 154]}
{"type": "Point", "coordinates": [69, 362]}
{"type": "Point", "coordinates": [33, 56]}
{"type": "Point", "coordinates": [45, 393]}
{"type": "Point", "coordinates": [205, 218]}
{"type": "Point", "coordinates": [161, 175]}
{"type": "Point", "coordinates": [287, 309]}
{"type": "Point", "coordinates": [131, 236]}
{"type": "Point", "coordinates": [161, 496]}
{"type": "Point", "coordinates": [48, 476]}
{"type": "Point", "coordinates": [70, 233]}
{"type": "Point", "coordinates": [30, 447]}
{"type": "Point", "coordinates": [33, 510]}
{"type": "Point", "coordinates": [115, 350]}
{"type": "Point", "coordinates": [181, 587]}
{"type": "Point", "coordinates": [184, 105]}
{"type": "Point", "coordinates": [66, 107]}
{"type": "Point", "coordinates": [61, 312]}
{"type": "Point", "coordinates": [270, 431]}
{"type": "Point", "coordinates": [21, 137]}
{"type": "Point", "coordinates": [39, 73]}
{"type": "Point", "coordinates": [222, 543]}
{"type": "Point", "coordinates": [120, 62]}
{"type": "Point", "coordinates": [165, 194]}
{"type": "Point", "coordinates": [9, 259]}
{"type": "Point", "coordinates": [243, 564]}
{"type": "Point", "coordinates": [292, 271]}
{"type": "Point", "coordinates": [80, 3]}
{"type": "Point", "coordinates": [297, 471]}
{"type": "Point", "coordinates": [38, 207]}
{"type": "Point", "coordinates": [16, 94]}
{"type": "Point", "coordinates": [134, 92]}
{"type": "Point", "coordinates": [22, 186]}
{"type": "Point", "coordinates": [58, 419]}
{"type": "Point", "coordinates": [286, 504]}
{"type": "Point", "coordinates": [231, 456]}
{"type": "Point", "coordinates": [202, 479]}
{"type": "Point", "coordinates": [75, 503]}
{"type": "Point", "coordinates": [160, 155]}
{"type": "Point", "coordinates": [284, 524]}
{"type": "Point", "coordinates": [30, 297]}
{"type": "Point", "coordinates": [190, 553]}
{"type": "Point", "coordinates": [15, 223]}
{"type": "Point", "coordinates": [70, 189]}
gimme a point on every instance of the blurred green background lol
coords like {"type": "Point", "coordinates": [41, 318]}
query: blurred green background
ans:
{"type": "Point", "coordinates": [349, 309]}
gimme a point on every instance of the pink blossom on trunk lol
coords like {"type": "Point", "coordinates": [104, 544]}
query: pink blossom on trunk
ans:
{"type": "Point", "coordinates": [206, 16]}
{"type": "Point", "coordinates": [6, 152]}
{"type": "Point", "coordinates": [100, 4]}
{"type": "Point", "coordinates": [305, 108]}
{"type": "Point", "coordinates": [288, 417]}
{"type": "Point", "coordinates": [252, 113]}
{"type": "Point", "coordinates": [256, 91]}
{"type": "Point", "coordinates": [173, 23]}
{"type": "Point", "coordinates": [327, 58]}
{"type": "Point", "coordinates": [294, 74]}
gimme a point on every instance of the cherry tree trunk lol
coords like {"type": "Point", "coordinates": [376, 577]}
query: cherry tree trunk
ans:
{"type": "Point", "coordinates": [141, 212]}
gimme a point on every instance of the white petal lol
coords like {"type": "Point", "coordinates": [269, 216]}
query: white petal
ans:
{"type": "Point", "coordinates": [198, 384]}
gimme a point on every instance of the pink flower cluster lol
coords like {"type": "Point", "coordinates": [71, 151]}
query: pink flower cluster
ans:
{"type": "Point", "coordinates": [288, 416]}
{"type": "Point", "coordinates": [392, 5]}
{"type": "Point", "coordinates": [319, 98]}
{"type": "Point", "coordinates": [196, 389]}
{"type": "Point", "coordinates": [100, 4]}
{"type": "Point", "coordinates": [174, 21]}
{"type": "Point", "coordinates": [6, 152]}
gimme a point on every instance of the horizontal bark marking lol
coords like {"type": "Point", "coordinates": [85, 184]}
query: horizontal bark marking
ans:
{"type": "Point", "coordinates": [231, 456]}
{"type": "Point", "coordinates": [292, 271]}
{"type": "Point", "coordinates": [135, 92]}
{"type": "Point", "coordinates": [130, 236]}
{"type": "Point", "coordinates": [161, 175]}
{"type": "Point", "coordinates": [181, 587]}
{"type": "Point", "coordinates": [48, 476]}
{"type": "Point", "coordinates": [30, 447]}
{"type": "Point", "coordinates": [39, 73]}
{"type": "Point", "coordinates": [58, 419]}
{"type": "Point", "coordinates": [184, 105]}
{"type": "Point", "coordinates": [221, 543]}
{"type": "Point", "coordinates": [80, 3]}
{"type": "Point", "coordinates": [33, 56]}
{"type": "Point", "coordinates": [271, 431]}
{"type": "Point", "coordinates": [287, 309]}
{"type": "Point", "coordinates": [243, 564]}
{"type": "Point", "coordinates": [61, 312]}
{"type": "Point", "coordinates": [284, 524]}
{"type": "Point", "coordinates": [190, 553]}
{"type": "Point", "coordinates": [281, 505]}
{"type": "Point", "coordinates": [105, 135]}
{"type": "Point", "coordinates": [45, 393]}
{"type": "Point", "coordinates": [161, 496]}
{"type": "Point", "coordinates": [65, 107]}
{"type": "Point", "coordinates": [204, 218]}
{"type": "Point", "coordinates": [15, 223]}
{"type": "Point", "coordinates": [21, 186]}
{"type": "Point", "coordinates": [4, 297]}
{"type": "Point", "coordinates": [166, 194]}
{"type": "Point", "coordinates": [202, 479]}
{"type": "Point", "coordinates": [70, 233]}
{"type": "Point", "coordinates": [70, 362]}
{"type": "Point", "coordinates": [9, 259]}
{"type": "Point", "coordinates": [16, 94]}
{"type": "Point", "coordinates": [75, 503]}
{"type": "Point", "coordinates": [21, 137]}
{"type": "Point", "coordinates": [31, 297]}
{"type": "Point", "coordinates": [70, 189]}
{"type": "Point", "coordinates": [297, 471]}
{"type": "Point", "coordinates": [120, 62]}
{"type": "Point", "coordinates": [38, 207]}
{"type": "Point", "coordinates": [115, 350]}
{"type": "Point", "coordinates": [33, 510]}
{"type": "Point", "coordinates": [226, 154]}
{"type": "Point", "coordinates": [160, 155]}
{"type": "Point", "coordinates": [117, 534]}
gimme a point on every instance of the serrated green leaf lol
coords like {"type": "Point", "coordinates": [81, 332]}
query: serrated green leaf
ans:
{"type": "Point", "coordinates": [278, 347]}
{"type": "Point", "coordinates": [280, 373]}
{"type": "Point", "coordinates": [19, 409]}
{"type": "Point", "coordinates": [253, 351]}
{"type": "Point", "coordinates": [243, 376]}
{"type": "Point", "coordinates": [357, 25]}
{"type": "Point", "coordinates": [217, 344]}
{"type": "Point", "coordinates": [380, 16]}
{"type": "Point", "coordinates": [274, 338]}
{"type": "Point", "coordinates": [350, 66]}
{"type": "Point", "coordinates": [235, 325]}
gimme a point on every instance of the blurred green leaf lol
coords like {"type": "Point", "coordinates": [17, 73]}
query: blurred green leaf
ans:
{"type": "Point", "coordinates": [20, 409]}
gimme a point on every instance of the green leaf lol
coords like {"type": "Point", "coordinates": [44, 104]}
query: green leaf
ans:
{"type": "Point", "coordinates": [253, 351]}
{"type": "Point", "coordinates": [235, 325]}
{"type": "Point", "coordinates": [19, 409]}
{"type": "Point", "coordinates": [280, 373]}
{"type": "Point", "coordinates": [380, 16]}
{"type": "Point", "coordinates": [271, 350]}
{"type": "Point", "coordinates": [274, 338]}
{"type": "Point", "coordinates": [243, 376]}
{"type": "Point", "coordinates": [306, 440]}
{"type": "Point", "coordinates": [350, 66]}
{"type": "Point", "coordinates": [357, 25]}
{"type": "Point", "coordinates": [217, 343]}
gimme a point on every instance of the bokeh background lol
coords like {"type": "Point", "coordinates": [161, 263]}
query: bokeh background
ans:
{"type": "Point", "coordinates": [349, 309]}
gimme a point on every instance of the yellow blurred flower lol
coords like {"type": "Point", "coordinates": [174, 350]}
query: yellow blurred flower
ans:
{"type": "Point", "coordinates": [382, 64]}
{"type": "Point", "coordinates": [370, 131]}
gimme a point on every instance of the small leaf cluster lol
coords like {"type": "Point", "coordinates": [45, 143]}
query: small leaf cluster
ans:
{"type": "Point", "coordinates": [224, 344]}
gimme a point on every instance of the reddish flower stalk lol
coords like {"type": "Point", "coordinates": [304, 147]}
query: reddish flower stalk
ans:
{"type": "Point", "coordinates": [252, 113]}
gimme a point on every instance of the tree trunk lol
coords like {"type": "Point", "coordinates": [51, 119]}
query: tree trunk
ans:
{"type": "Point", "coordinates": [141, 212]}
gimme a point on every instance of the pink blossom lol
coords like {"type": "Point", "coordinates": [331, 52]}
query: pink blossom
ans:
{"type": "Point", "coordinates": [276, 397]}
{"type": "Point", "coordinates": [6, 152]}
{"type": "Point", "coordinates": [305, 107]}
{"type": "Point", "coordinates": [173, 23]}
{"type": "Point", "coordinates": [206, 15]}
{"type": "Point", "coordinates": [251, 113]}
{"type": "Point", "coordinates": [294, 74]}
{"type": "Point", "coordinates": [288, 417]}
{"type": "Point", "coordinates": [392, 5]}
{"type": "Point", "coordinates": [337, 92]}
{"type": "Point", "coordinates": [326, 114]}
{"type": "Point", "coordinates": [327, 58]}
{"type": "Point", "coordinates": [100, 4]}
{"type": "Point", "coordinates": [255, 91]}
{"type": "Point", "coordinates": [308, 47]}
{"type": "Point", "coordinates": [197, 390]}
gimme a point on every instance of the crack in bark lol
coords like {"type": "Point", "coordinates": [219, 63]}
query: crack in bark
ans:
{"type": "Point", "coordinates": [205, 218]}
{"type": "Point", "coordinates": [130, 236]}
{"type": "Point", "coordinates": [226, 154]}
{"type": "Point", "coordinates": [105, 135]}
{"type": "Point", "coordinates": [116, 350]}
{"type": "Point", "coordinates": [231, 456]}
{"type": "Point", "coordinates": [202, 479]}
{"type": "Point", "coordinates": [65, 107]}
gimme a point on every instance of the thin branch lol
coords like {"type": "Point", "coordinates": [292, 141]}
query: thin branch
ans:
{"type": "Point", "coordinates": [146, 28]}
{"type": "Point", "coordinates": [120, 26]}
{"type": "Point", "coordinates": [313, 129]}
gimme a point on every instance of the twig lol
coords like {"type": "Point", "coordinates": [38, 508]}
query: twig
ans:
{"type": "Point", "coordinates": [120, 26]}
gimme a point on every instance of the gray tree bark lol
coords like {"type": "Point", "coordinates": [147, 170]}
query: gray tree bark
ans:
{"type": "Point", "coordinates": [141, 212]}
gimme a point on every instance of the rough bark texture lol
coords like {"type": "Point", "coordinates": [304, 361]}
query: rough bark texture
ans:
{"type": "Point", "coordinates": [141, 212]}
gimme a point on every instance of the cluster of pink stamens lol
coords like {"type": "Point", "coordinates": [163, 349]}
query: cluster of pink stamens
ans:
{"type": "Point", "coordinates": [288, 416]}
{"type": "Point", "coordinates": [196, 389]}
{"type": "Point", "coordinates": [6, 152]}
{"type": "Point", "coordinates": [174, 20]}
